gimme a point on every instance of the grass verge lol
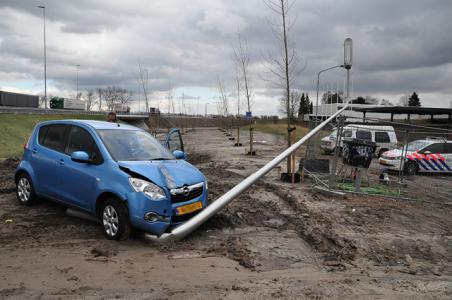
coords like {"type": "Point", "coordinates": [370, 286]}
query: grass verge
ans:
{"type": "Point", "coordinates": [281, 129]}
{"type": "Point", "coordinates": [15, 129]}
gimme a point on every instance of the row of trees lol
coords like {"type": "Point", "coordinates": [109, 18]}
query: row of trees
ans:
{"type": "Point", "coordinates": [108, 97]}
{"type": "Point", "coordinates": [338, 97]}
{"type": "Point", "coordinates": [299, 105]}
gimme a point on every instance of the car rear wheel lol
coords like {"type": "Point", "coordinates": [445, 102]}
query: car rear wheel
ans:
{"type": "Point", "coordinates": [411, 168]}
{"type": "Point", "coordinates": [24, 190]}
{"type": "Point", "coordinates": [115, 220]}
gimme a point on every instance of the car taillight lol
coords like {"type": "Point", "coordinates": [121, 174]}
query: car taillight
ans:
{"type": "Point", "coordinates": [26, 143]}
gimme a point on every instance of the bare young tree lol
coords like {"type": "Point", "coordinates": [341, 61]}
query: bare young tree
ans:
{"type": "Point", "coordinates": [242, 62]}
{"type": "Point", "coordinates": [90, 100]}
{"type": "Point", "coordinates": [100, 92]}
{"type": "Point", "coordinates": [224, 101]}
{"type": "Point", "coordinates": [293, 104]}
{"type": "Point", "coordinates": [144, 83]}
{"type": "Point", "coordinates": [283, 67]}
{"type": "Point", "coordinates": [170, 98]}
{"type": "Point", "coordinates": [116, 95]}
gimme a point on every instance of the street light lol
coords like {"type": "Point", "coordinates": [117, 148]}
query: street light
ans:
{"type": "Point", "coordinates": [318, 81]}
{"type": "Point", "coordinates": [45, 57]}
{"type": "Point", "coordinates": [76, 70]}
{"type": "Point", "coordinates": [348, 59]}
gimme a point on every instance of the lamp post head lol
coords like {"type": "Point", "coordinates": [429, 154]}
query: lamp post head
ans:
{"type": "Point", "coordinates": [348, 53]}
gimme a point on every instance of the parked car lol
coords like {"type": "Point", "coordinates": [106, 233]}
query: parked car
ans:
{"type": "Point", "coordinates": [118, 173]}
{"type": "Point", "coordinates": [383, 136]}
{"type": "Point", "coordinates": [430, 155]}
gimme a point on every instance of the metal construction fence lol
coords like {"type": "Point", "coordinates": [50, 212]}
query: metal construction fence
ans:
{"type": "Point", "coordinates": [412, 161]}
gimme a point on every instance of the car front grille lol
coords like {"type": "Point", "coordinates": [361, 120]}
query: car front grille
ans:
{"type": "Point", "coordinates": [187, 193]}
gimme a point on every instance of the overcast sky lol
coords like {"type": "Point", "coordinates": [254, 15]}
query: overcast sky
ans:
{"type": "Point", "coordinates": [399, 47]}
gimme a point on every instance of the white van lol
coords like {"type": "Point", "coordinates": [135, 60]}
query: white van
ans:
{"type": "Point", "coordinates": [383, 136]}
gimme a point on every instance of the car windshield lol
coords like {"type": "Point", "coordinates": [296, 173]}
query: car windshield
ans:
{"type": "Point", "coordinates": [334, 133]}
{"type": "Point", "coordinates": [133, 145]}
{"type": "Point", "coordinates": [415, 145]}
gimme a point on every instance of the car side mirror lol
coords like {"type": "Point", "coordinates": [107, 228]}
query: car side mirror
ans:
{"type": "Point", "coordinates": [427, 152]}
{"type": "Point", "coordinates": [179, 154]}
{"type": "Point", "coordinates": [80, 157]}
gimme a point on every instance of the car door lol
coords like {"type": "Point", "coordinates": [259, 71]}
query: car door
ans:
{"type": "Point", "coordinates": [78, 180]}
{"type": "Point", "coordinates": [174, 140]}
{"type": "Point", "coordinates": [431, 157]}
{"type": "Point", "coordinates": [446, 158]}
{"type": "Point", "coordinates": [46, 157]}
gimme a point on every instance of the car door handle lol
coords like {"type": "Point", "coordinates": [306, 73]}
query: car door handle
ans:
{"type": "Point", "coordinates": [60, 162]}
{"type": "Point", "coordinates": [34, 151]}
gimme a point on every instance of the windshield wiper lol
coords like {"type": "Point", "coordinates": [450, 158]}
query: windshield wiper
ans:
{"type": "Point", "coordinates": [160, 158]}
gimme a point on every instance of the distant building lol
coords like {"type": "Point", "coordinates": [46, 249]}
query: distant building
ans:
{"type": "Point", "coordinates": [18, 100]}
{"type": "Point", "coordinates": [326, 110]}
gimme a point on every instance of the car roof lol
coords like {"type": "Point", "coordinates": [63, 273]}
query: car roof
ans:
{"type": "Point", "coordinates": [372, 127]}
{"type": "Point", "coordinates": [431, 141]}
{"type": "Point", "coordinates": [94, 124]}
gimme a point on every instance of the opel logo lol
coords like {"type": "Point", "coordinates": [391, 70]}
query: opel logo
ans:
{"type": "Point", "coordinates": [186, 191]}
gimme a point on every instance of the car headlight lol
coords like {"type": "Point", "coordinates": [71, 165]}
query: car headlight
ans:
{"type": "Point", "coordinates": [206, 184]}
{"type": "Point", "coordinates": [148, 188]}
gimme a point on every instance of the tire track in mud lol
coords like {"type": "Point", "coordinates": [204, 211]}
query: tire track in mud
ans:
{"type": "Point", "coordinates": [271, 206]}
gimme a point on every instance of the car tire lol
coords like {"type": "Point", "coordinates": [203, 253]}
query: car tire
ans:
{"type": "Point", "coordinates": [339, 149]}
{"type": "Point", "coordinates": [380, 153]}
{"type": "Point", "coordinates": [114, 217]}
{"type": "Point", "coordinates": [24, 190]}
{"type": "Point", "coordinates": [411, 168]}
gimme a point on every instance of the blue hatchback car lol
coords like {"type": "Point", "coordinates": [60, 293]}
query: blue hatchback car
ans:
{"type": "Point", "coordinates": [118, 173]}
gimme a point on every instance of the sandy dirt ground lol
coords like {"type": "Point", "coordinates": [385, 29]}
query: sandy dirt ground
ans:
{"type": "Point", "coordinates": [277, 240]}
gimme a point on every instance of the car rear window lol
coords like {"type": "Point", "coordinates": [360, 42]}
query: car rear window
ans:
{"type": "Point", "coordinates": [364, 135]}
{"type": "Point", "coordinates": [42, 134]}
{"type": "Point", "coordinates": [382, 137]}
{"type": "Point", "coordinates": [54, 137]}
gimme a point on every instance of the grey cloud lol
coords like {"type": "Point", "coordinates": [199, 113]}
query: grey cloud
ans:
{"type": "Point", "coordinates": [399, 46]}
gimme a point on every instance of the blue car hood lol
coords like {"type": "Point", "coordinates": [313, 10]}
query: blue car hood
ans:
{"type": "Point", "coordinates": [166, 173]}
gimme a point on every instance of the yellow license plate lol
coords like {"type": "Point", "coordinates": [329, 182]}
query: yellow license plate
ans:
{"type": "Point", "coordinates": [186, 209]}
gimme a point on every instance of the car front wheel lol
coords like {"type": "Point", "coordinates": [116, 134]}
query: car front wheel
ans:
{"type": "Point", "coordinates": [411, 168]}
{"type": "Point", "coordinates": [115, 220]}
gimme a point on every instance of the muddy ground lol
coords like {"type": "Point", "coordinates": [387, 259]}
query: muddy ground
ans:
{"type": "Point", "coordinates": [277, 240]}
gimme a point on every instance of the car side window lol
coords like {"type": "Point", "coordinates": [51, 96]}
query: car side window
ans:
{"type": "Point", "coordinates": [347, 133]}
{"type": "Point", "coordinates": [81, 140]}
{"type": "Point", "coordinates": [434, 148]}
{"type": "Point", "coordinates": [54, 138]}
{"type": "Point", "coordinates": [382, 137]}
{"type": "Point", "coordinates": [448, 148]}
{"type": "Point", "coordinates": [364, 135]}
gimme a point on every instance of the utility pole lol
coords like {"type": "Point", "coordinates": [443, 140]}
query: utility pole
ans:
{"type": "Point", "coordinates": [76, 70]}
{"type": "Point", "coordinates": [45, 56]}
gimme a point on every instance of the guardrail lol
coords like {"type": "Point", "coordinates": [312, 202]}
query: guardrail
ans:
{"type": "Point", "coordinates": [35, 110]}
{"type": "Point", "coordinates": [183, 230]}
